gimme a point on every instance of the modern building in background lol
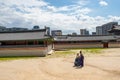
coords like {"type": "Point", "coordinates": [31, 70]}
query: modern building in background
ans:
{"type": "Point", "coordinates": [36, 27]}
{"type": "Point", "coordinates": [74, 34]}
{"type": "Point", "coordinates": [99, 30]}
{"type": "Point", "coordinates": [16, 29]}
{"type": "Point", "coordinates": [4, 29]}
{"type": "Point", "coordinates": [93, 33]}
{"type": "Point", "coordinates": [84, 32]}
{"type": "Point", "coordinates": [56, 32]}
{"type": "Point", "coordinates": [103, 30]}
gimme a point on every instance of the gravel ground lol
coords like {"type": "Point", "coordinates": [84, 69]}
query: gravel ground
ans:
{"type": "Point", "coordinates": [105, 66]}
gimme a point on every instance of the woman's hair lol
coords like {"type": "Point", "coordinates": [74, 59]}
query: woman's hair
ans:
{"type": "Point", "coordinates": [77, 54]}
{"type": "Point", "coordinates": [80, 51]}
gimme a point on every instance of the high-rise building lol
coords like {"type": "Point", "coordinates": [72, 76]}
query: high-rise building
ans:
{"type": "Point", "coordinates": [99, 30]}
{"type": "Point", "coordinates": [3, 29]}
{"type": "Point", "coordinates": [16, 29]}
{"type": "Point", "coordinates": [56, 32]}
{"type": "Point", "coordinates": [74, 33]}
{"type": "Point", "coordinates": [103, 30]}
{"type": "Point", "coordinates": [93, 33]}
{"type": "Point", "coordinates": [84, 32]}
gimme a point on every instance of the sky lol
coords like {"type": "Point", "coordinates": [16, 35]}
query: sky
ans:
{"type": "Point", "coordinates": [66, 15]}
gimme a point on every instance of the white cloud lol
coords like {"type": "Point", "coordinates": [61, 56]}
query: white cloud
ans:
{"type": "Point", "coordinates": [103, 3]}
{"type": "Point", "coordinates": [114, 18]}
{"type": "Point", "coordinates": [82, 11]}
{"type": "Point", "coordinates": [82, 2]}
{"type": "Point", "coordinates": [25, 3]}
{"type": "Point", "coordinates": [67, 18]}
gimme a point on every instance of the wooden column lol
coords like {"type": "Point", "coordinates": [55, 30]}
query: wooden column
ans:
{"type": "Point", "coordinates": [105, 45]}
{"type": "Point", "coordinates": [36, 42]}
{"type": "Point", "coordinates": [26, 42]}
{"type": "Point", "coordinates": [45, 43]}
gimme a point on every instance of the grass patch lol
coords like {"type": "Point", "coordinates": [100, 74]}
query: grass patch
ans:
{"type": "Point", "coordinates": [61, 53]}
{"type": "Point", "coordinates": [86, 51]}
{"type": "Point", "coordinates": [93, 50]}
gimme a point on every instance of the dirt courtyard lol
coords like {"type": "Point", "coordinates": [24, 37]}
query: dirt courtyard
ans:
{"type": "Point", "coordinates": [104, 66]}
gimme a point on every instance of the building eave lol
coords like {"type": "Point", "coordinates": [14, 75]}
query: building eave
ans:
{"type": "Point", "coordinates": [24, 31]}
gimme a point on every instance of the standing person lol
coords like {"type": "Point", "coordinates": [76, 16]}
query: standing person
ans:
{"type": "Point", "coordinates": [76, 62]}
{"type": "Point", "coordinates": [81, 59]}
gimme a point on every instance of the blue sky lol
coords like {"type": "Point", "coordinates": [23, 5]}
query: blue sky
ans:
{"type": "Point", "coordinates": [67, 15]}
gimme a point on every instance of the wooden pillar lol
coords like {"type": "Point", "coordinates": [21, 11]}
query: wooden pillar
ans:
{"type": "Point", "coordinates": [26, 42]}
{"type": "Point", "coordinates": [34, 42]}
{"type": "Point", "coordinates": [105, 45]}
{"type": "Point", "coordinates": [45, 43]}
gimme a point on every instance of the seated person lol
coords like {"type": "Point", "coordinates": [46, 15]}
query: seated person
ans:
{"type": "Point", "coordinates": [79, 60]}
{"type": "Point", "coordinates": [76, 60]}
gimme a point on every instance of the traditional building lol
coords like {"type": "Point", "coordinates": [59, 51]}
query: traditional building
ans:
{"type": "Point", "coordinates": [115, 30]}
{"type": "Point", "coordinates": [91, 41]}
{"type": "Point", "coordinates": [30, 39]}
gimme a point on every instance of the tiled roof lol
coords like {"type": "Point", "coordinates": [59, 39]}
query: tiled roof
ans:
{"type": "Point", "coordinates": [117, 28]}
{"type": "Point", "coordinates": [25, 35]}
{"type": "Point", "coordinates": [39, 30]}
{"type": "Point", "coordinates": [83, 38]}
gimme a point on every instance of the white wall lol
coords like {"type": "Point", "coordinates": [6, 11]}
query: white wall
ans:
{"type": "Point", "coordinates": [34, 51]}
